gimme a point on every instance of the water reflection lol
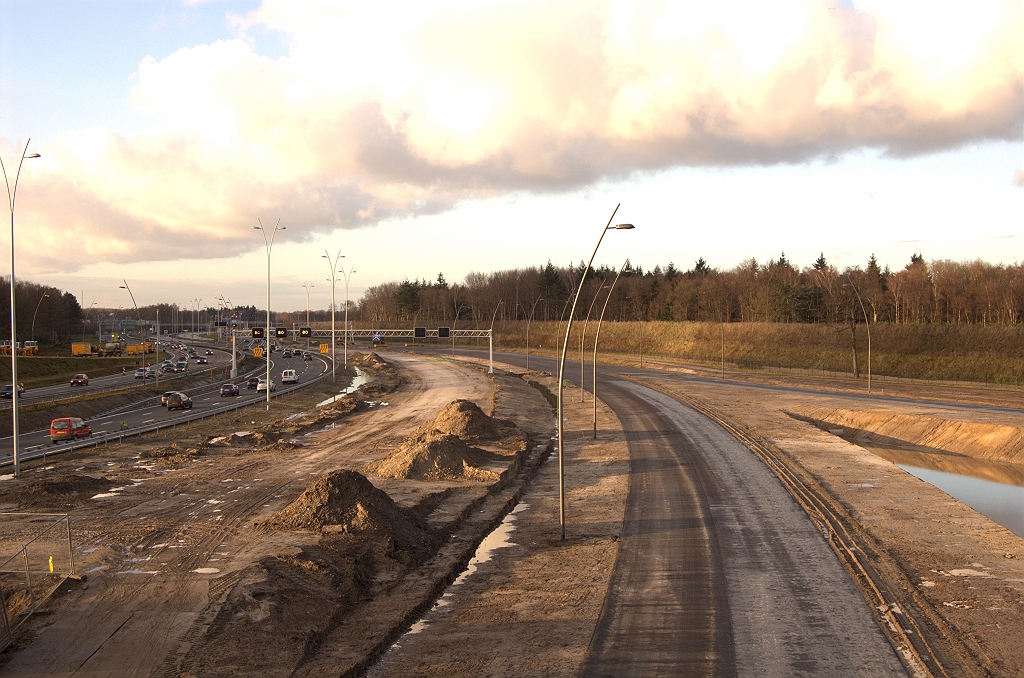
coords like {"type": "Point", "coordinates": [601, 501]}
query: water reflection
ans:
{"type": "Point", "coordinates": [357, 381]}
{"type": "Point", "coordinates": [1001, 503]}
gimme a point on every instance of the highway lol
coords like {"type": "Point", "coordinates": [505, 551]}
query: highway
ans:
{"type": "Point", "coordinates": [150, 411]}
{"type": "Point", "coordinates": [719, 571]}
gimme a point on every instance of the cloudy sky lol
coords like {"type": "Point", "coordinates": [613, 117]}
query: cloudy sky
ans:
{"type": "Point", "coordinates": [418, 138]}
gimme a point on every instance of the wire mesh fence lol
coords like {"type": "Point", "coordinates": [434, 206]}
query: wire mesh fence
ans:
{"type": "Point", "coordinates": [35, 558]}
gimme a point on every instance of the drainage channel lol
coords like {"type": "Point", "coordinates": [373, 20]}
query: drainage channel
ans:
{"type": "Point", "coordinates": [360, 379]}
{"type": "Point", "coordinates": [1002, 503]}
{"type": "Point", "coordinates": [500, 537]}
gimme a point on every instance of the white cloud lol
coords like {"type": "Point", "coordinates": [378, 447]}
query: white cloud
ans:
{"type": "Point", "coordinates": [385, 109]}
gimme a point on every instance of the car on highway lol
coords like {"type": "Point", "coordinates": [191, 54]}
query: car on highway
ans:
{"type": "Point", "coordinates": [229, 390]}
{"type": "Point", "coordinates": [163, 398]}
{"type": "Point", "coordinates": [6, 390]}
{"type": "Point", "coordinates": [140, 373]}
{"type": "Point", "coordinates": [289, 377]}
{"type": "Point", "coordinates": [209, 352]}
{"type": "Point", "coordinates": [68, 428]}
{"type": "Point", "coordinates": [252, 382]}
{"type": "Point", "coordinates": [262, 385]}
{"type": "Point", "coordinates": [201, 360]}
{"type": "Point", "coordinates": [286, 354]}
{"type": "Point", "coordinates": [307, 356]}
{"type": "Point", "coordinates": [80, 380]}
{"type": "Point", "coordinates": [177, 400]}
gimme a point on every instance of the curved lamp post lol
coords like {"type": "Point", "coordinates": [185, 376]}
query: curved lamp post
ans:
{"type": "Point", "coordinates": [269, 244]}
{"type": "Point", "coordinates": [528, 321]}
{"type": "Point", "coordinates": [11, 195]}
{"type": "Point", "coordinates": [333, 279]}
{"type": "Point", "coordinates": [583, 336]}
{"type": "Point", "coordinates": [125, 287]}
{"type": "Point", "coordinates": [867, 325]}
{"type": "Point", "coordinates": [346, 276]}
{"type": "Point", "coordinates": [561, 370]}
{"type": "Point", "coordinates": [32, 335]}
{"type": "Point", "coordinates": [597, 337]}
{"type": "Point", "coordinates": [494, 315]}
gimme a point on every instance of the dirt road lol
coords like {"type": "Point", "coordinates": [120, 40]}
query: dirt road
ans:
{"type": "Point", "coordinates": [158, 548]}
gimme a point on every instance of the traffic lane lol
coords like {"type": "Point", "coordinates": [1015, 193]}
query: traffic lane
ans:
{"type": "Point", "coordinates": [791, 606]}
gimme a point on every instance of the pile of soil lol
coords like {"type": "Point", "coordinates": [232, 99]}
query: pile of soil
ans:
{"type": "Point", "coordinates": [435, 456]}
{"type": "Point", "coordinates": [463, 418]}
{"type": "Point", "coordinates": [346, 502]}
{"type": "Point", "coordinates": [61, 490]}
{"type": "Point", "coordinates": [368, 360]}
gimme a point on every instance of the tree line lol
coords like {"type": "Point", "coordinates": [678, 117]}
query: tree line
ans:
{"type": "Point", "coordinates": [44, 313]}
{"type": "Point", "coordinates": [939, 292]}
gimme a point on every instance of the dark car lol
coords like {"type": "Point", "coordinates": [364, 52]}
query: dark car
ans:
{"type": "Point", "coordinates": [286, 354]}
{"type": "Point", "coordinates": [163, 398]}
{"type": "Point", "coordinates": [176, 400]}
{"type": "Point", "coordinates": [253, 382]}
{"type": "Point", "coordinates": [208, 352]}
{"type": "Point", "coordinates": [229, 390]}
{"type": "Point", "coordinates": [307, 356]}
{"type": "Point", "coordinates": [201, 360]}
{"type": "Point", "coordinates": [80, 380]}
{"type": "Point", "coordinates": [6, 390]}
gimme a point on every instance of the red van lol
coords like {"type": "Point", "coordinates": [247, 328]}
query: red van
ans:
{"type": "Point", "coordinates": [68, 428]}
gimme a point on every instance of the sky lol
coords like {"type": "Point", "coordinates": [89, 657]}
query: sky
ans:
{"type": "Point", "coordinates": [450, 137]}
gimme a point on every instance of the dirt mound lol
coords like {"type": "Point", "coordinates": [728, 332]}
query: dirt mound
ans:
{"type": "Point", "coordinates": [345, 501]}
{"type": "Point", "coordinates": [434, 456]}
{"type": "Point", "coordinates": [62, 490]}
{"type": "Point", "coordinates": [463, 418]}
{"type": "Point", "coordinates": [368, 360]}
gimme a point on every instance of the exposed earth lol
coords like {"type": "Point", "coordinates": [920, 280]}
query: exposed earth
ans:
{"type": "Point", "coordinates": [305, 541]}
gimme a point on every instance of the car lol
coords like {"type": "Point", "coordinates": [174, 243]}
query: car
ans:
{"type": "Point", "coordinates": [140, 373]}
{"type": "Point", "coordinates": [6, 391]}
{"type": "Point", "coordinates": [228, 390]}
{"type": "Point", "coordinates": [68, 428]}
{"type": "Point", "coordinates": [252, 382]}
{"type": "Point", "coordinates": [177, 400]}
{"type": "Point", "coordinates": [289, 377]}
{"type": "Point", "coordinates": [208, 352]}
{"type": "Point", "coordinates": [201, 360]}
{"type": "Point", "coordinates": [262, 385]}
{"type": "Point", "coordinates": [286, 354]}
{"type": "Point", "coordinates": [163, 398]}
{"type": "Point", "coordinates": [307, 356]}
{"type": "Point", "coordinates": [80, 380]}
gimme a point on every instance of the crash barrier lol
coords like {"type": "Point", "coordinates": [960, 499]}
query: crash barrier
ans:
{"type": "Point", "coordinates": [35, 559]}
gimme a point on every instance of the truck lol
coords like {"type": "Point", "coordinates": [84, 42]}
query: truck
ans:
{"type": "Point", "coordinates": [81, 348]}
{"type": "Point", "coordinates": [31, 348]}
{"type": "Point", "coordinates": [135, 349]}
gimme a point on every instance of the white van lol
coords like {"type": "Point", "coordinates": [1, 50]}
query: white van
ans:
{"type": "Point", "coordinates": [289, 377]}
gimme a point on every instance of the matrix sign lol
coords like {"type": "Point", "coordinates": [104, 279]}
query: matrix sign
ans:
{"type": "Point", "coordinates": [282, 332]}
{"type": "Point", "coordinates": [306, 332]}
{"type": "Point", "coordinates": [257, 333]}
{"type": "Point", "coordinates": [444, 332]}
{"type": "Point", "coordinates": [419, 332]}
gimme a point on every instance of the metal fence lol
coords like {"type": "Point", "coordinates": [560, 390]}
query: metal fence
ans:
{"type": "Point", "coordinates": [35, 559]}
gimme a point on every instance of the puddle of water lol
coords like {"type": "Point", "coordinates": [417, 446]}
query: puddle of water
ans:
{"type": "Point", "coordinates": [206, 570]}
{"type": "Point", "coordinates": [1003, 504]}
{"type": "Point", "coordinates": [357, 381]}
{"type": "Point", "coordinates": [500, 537]}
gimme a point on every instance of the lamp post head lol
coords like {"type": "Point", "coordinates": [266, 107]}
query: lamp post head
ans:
{"type": "Point", "coordinates": [33, 155]}
{"type": "Point", "coordinates": [257, 228]}
{"type": "Point", "coordinates": [623, 227]}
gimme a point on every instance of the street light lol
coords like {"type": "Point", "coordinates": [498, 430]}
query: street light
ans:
{"type": "Point", "coordinates": [125, 287]}
{"type": "Point", "coordinates": [867, 325]}
{"type": "Point", "coordinates": [32, 335]}
{"type": "Point", "coordinates": [528, 321]}
{"type": "Point", "coordinates": [491, 338]}
{"type": "Point", "coordinates": [561, 369]}
{"type": "Point", "coordinates": [583, 336]}
{"type": "Point", "coordinates": [346, 276]}
{"type": "Point", "coordinates": [11, 195]}
{"type": "Point", "coordinates": [269, 244]}
{"type": "Point", "coordinates": [307, 287]}
{"type": "Point", "coordinates": [333, 280]}
{"type": "Point", "coordinates": [597, 337]}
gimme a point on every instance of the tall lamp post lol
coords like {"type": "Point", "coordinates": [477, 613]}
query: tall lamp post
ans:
{"type": "Point", "coordinates": [528, 321]}
{"type": "Point", "coordinates": [269, 244]}
{"type": "Point", "coordinates": [32, 335]}
{"type": "Point", "coordinates": [307, 287]}
{"type": "Point", "coordinates": [597, 337]}
{"type": "Point", "coordinates": [346, 276]}
{"type": "Point", "coordinates": [561, 370]}
{"type": "Point", "coordinates": [125, 287]}
{"type": "Point", "coordinates": [867, 326]}
{"type": "Point", "coordinates": [333, 280]}
{"type": "Point", "coordinates": [494, 315]}
{"type": "Point", "coordinates": [583, 336]}
{"type": "Point", "coordinates": [12, 193]}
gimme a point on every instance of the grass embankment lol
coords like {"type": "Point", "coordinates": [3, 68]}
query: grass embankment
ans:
{"type": "Point", "coordinates": [45, 370]}
{"type": "Point", "coordinates": [989, 354]}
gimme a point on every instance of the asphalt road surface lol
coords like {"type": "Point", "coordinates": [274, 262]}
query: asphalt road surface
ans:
{"type": "Point", "coordinates": [719, 572]}
{"type": "Point", "coordinates": [205, 399]}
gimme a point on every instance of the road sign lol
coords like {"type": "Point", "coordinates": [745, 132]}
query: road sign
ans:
{"type": "Point", "coordinates": [282, 332]}
{"type": "Point", "coordinates": [257, 352]}
{"type": "Point", "coordinates": [419, 332]}
{"type": "Point", "coordinates": [257, 333]}
{"type": "Point", "coordinates": [305, 332]}
{"type": "Point", "coordinates": [325, 348]}
{"type": "Point", "coordinates": [376, 337]}
{"type": "Point", "coordinates": [444, 332]}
